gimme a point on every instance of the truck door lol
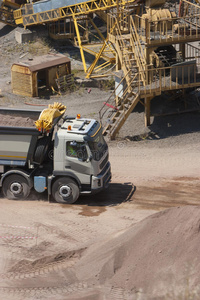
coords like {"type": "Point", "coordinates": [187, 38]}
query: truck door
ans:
{"type": "Point", "coordinates": [77, 159]}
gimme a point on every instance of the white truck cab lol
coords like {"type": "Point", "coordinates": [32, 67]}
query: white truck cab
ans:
{"type": "Point", "coordinates": [81, 153]}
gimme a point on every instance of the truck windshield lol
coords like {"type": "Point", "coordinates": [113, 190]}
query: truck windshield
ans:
{"type": "Point", "coordinates": [98, 146]}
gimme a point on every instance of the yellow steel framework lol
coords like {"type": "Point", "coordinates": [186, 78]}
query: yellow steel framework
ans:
{"type": "Point", "coordinates": [6, 12]}
{"type": "Point", "coordinates": [142, 78]}
{"type": "Point", "coordinates": [27, 17]}
{"type": "Point", "coordinates": [106, 52]}
{"type": "Point", "coordinates": [77, 13]}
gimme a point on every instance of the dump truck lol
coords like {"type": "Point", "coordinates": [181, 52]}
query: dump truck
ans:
{"type": "Point", "coordinates": [65, 156]}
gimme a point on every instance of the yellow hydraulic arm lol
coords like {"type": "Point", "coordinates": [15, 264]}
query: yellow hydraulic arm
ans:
{"type": "Point", "coordinates": [48, 116]}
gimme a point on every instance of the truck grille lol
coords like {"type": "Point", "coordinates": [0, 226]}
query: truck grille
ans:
{"type": "Point", "coordinates": [104, 162]}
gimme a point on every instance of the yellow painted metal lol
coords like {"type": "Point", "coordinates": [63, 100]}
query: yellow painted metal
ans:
{"type": "Point", "coordinates": [47, 116]}
{"type": "Point", "coordinates": [80, 43]}
{"type": "Point", "coordinates": [156, 28]}
{"type": "Point", "coordinates": [96, 131]}
{"type": "Point", "coordinates": [91, 68]}
{"type": "Point", "coordinates": [10, 4]}
{"type": "Point", "coordinates": [76, 10]}
{"type": "Point", "coordinates": [6, 12]}
{"type": "Point", "coordinates": [109, 59]}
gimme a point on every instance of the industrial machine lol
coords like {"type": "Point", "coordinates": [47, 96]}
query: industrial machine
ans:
{"type": "Point", "coordinates": [67, 156]}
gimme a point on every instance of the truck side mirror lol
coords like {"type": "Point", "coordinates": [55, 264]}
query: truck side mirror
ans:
{"type": "Point", "coordinates": [73, 143]}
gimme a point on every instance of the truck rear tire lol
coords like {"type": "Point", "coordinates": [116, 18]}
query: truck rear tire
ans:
{"type": "Point", "coordinates": [65, 190]}
{"type": "Point", "coordinates": [16, 187]}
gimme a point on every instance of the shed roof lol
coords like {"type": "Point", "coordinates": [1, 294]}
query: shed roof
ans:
{"type": "Point", "coordinates": [44, 62]}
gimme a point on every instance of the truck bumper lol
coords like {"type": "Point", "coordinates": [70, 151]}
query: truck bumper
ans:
{"type": "Point", "coordinates": [102, 180]}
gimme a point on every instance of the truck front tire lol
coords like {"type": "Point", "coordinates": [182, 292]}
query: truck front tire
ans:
{"type": "Point", "coordinates": [15, 187]}
{"type": "Point", "coordinates": [65, 190]}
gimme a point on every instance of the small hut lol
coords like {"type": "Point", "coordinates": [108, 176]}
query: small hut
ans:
{"type": "Point", "coordinates": [30, 76]}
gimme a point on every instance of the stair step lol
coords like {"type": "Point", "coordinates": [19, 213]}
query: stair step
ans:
{"type": "Point", "coordinates": [128, 52]}
{"type": "Point", "coordinates": [126, 36]}
{"type": "Point", "coordinates": [128, 101]}
{"type": "Point", "coordinates": [130, 59]}
{"type": "Point", "coordinates": [115, 119]}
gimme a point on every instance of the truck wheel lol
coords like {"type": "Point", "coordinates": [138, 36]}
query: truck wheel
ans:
{"type": "Point", "coordinates": [41, 149]}
{"type": "Point", "coordinates": [65, 190]}
{"type": "Point", "coordinates": [15, 187]}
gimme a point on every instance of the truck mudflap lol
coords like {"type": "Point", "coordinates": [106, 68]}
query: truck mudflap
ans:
{"type": "Point", "coordinates": [102, 180]}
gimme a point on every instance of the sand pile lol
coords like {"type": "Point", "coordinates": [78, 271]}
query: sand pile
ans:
{"type": "Point", "coordinates": [157, 256]}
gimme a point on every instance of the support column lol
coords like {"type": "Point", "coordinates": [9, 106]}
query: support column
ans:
{"type": "Point", "coordinates": [118, 63]}
{"type": "Point", "coordinates": [80, 43]}
{"type": "Point", "coordinates": [182, 49]}
{"type": "Point", "coordinates": [147, 111]}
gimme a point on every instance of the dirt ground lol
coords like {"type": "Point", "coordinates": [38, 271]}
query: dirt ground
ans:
{"type": "Point", "coordinates": [136, 240]}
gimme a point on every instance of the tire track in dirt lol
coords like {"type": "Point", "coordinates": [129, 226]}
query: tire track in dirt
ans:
{"type": "Point", "coordinates": [110, 292]}
{"type": "Point", "coordinates": [43, 291]}
{"type": "Point", "coordinates": [42, 267]}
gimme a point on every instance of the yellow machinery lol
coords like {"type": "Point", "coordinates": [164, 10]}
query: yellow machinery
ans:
{"type": "Point", "coordinates": [7, 8]}
{"type": "Point", "coordinates": [78, 16]}
{"type": "Point", "coordinates": [6, 11]}
{"type": "Point", "coordinates": [47, 116]}
{"type": "Point", "coordinates": [156, 54]}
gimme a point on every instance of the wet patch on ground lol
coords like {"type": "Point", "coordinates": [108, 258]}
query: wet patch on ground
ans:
{"type": "Point", "coordinates": [178, 191]}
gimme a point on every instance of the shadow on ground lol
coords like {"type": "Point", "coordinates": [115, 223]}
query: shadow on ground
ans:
{"type": "Point", "coordinates": [115, 194]}
{"type": "Point", "coordinates": [165, 126]}
{"type": "Point", "coordinates": [5, 30]}
{"type": "Point", "coordinates": [170, 117]}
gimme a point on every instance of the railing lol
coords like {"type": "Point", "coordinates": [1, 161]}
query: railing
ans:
{"type": "Point", "coordinates": [192, 52]}
{"type": "Point", "coordinates": [187, 8]}
{"type": "Point", "coordinates": [167, 30]}
{"type": "Point", "coordinates": [138, 50]}
{"type": "Point", "coordinates": [175, 77]}
{"type": "Point", "coordinates": [170, 78]}
{"type": "Point", "coordinates": [124, 19]}
{"type": "Point", "coordinates": [114, 28]}
{"type": "Point", "coordinates": [17, 14]}
{"type": "Point", "coordinates": [162, 79]}
{"type": "Point", "coordinates": [111, 23]}
{"type": "Point", "coordinates": [110, 106]}
{"type": "Point", "coordinates": [60, 29]}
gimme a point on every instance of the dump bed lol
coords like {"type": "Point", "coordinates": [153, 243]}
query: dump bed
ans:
{"type": "Point", "coordinates": [18, 136]}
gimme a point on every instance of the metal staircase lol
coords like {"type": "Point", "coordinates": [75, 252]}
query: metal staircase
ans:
{"type": "Point", "coordinates": [117, 108]}
{"type": "Point", "coordinates": [113, 116]}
